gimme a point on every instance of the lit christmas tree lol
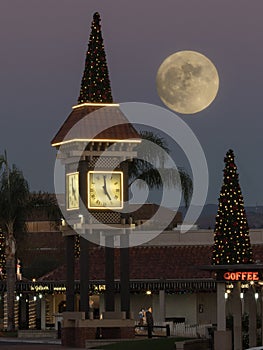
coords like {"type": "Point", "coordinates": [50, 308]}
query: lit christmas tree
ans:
{"type": "Point", "coordinates": [95, 84]}
{"type": "Point", "coordinates": [231, 234]}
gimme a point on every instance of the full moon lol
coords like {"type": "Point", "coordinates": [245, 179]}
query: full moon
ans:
{"type": "Point", "coordinates": [187, 82]}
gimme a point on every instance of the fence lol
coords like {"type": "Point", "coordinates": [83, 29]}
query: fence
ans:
{"type": "Point", "coordinates": [190, 331]}
{"type": "Point", "coordinates": [176, 329]}
{"type": "Point", "coordinates": [156, 331]}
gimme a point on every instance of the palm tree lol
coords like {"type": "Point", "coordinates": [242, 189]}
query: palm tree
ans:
{"type": "Point", "coordinates": [14, 196]}
{"type": "Point", "coordinates": [149, 166]}
{"type": "Point", "coordinates": [45, 203]}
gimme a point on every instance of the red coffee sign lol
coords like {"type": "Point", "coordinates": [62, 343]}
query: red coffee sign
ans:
{"type": "Point", "coordinates": [241, 276]}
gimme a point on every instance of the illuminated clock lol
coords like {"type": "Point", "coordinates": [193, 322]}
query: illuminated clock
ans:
{"type": "Point", "coordinates": [105, 190]}
{"type": "Point", "coordinates": [72, 191]}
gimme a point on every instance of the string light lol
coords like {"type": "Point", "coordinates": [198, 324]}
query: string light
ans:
{"type": "Point", "coordinates": [95, 85]}
{"type": "Point", "coordinates": [2, 256]}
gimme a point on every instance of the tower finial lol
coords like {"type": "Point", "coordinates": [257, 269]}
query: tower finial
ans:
{"type": "Point", "coordinates": [95, 84]}
{"type": "Point", "coordinates": [96, 16]}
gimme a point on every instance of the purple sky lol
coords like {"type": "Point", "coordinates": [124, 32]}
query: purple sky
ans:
{"type": "Point", "coordinates": [43, 46]}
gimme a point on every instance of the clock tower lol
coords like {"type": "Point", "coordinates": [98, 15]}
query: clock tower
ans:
{"type": "Point", "coordinates": [95, 143]}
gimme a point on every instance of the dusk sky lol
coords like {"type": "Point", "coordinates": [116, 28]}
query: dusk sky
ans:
{"type": "Point", "coordinates": [43, 46]}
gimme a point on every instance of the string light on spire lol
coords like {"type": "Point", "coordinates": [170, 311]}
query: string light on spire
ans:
{"type": "Point", "coordinates": [95, 84]}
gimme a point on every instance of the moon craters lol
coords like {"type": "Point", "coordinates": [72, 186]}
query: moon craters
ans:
{"type": "Point", "coordinates": [187, 82]}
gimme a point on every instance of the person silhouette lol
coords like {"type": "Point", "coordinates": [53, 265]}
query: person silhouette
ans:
{"type": "Point", "coordinates": [149, 321]}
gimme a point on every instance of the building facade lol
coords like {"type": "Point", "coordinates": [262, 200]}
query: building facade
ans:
{"type": "Point", "coordinates": [166, 274]}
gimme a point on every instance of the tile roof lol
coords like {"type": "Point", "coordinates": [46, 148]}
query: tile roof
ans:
{"type": "Point", "coordinates": [155, 262]}
{"type": "Point", "coordinates": [92, 121]}
{"type": "Point", "coordinates": [41, 250]}
{"type": "Point", "coordinates": [173, 262]}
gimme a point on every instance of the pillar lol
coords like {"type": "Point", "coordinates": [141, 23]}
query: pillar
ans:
{"type": "Point", "coordinates": [252, 318]}
{"type": "Point", "coordinates": [84, 243]}
{"type": "Point", "coordinates": [84, 276]}
{"type": "Point", "coordinates": [125, 252]}
{"type": "Point", "coordinates": [109, 274]}
{"type": "Point", "coordinates": [221, 306]}
{"type": "Point", "coordinates": [43, 313]}
{"type": "Point", "coordinates": [23, 322]}
{"type": "Point", "coordinates": [125, 280]}
{"type": "Point", "coordinates": [222, 337]}
{"type": "Point", "coordinates": [237, 328]}
{"type": "Point", "coordinates": [31, 312]}
{"type": "Point", "coordinates": [70, 264]}
{"type": "Point", "coordinates": [162, 305]}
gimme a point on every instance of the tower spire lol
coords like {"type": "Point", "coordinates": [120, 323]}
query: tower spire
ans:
{"type": "Point", "coordinates": [95, 84]}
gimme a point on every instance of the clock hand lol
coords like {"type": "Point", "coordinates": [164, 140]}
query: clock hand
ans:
{"type": "Point", "coordinates": [105, 188]}
{"type": "Point", "coordinates": [73, 189]}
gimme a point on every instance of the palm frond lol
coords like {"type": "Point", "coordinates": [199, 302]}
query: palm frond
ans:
{"type": "Point", "coordinates": [168, 177]}
{"type": "Point", "coordinates": [153, 148]}
{"type": "Point", "coordinates": [3, 162]}
{"type": "Point", "coordinates": [149, 166]}
{"type": "Point", "coordinates": [14, 194]}
{"type": "Point", "coordinates": [45, 202]}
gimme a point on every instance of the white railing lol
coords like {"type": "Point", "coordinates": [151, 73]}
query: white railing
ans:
{"type": "Point", "coordinates": [179, 330]}
{"type": "Point", "coordinates": [191, 331]}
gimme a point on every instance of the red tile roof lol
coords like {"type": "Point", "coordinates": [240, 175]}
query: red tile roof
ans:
{"type": "Point", "coordinates": [41, 251]}
{"type": "Point", "coordinates": [173, 262]}
{"type": "Point", "coordinates": [155, 262]}
{"type": "Point", "coordinates": [93, 121]}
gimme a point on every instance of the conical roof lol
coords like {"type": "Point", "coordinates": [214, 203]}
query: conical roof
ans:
{"type": "Point", "coordinates": [91, 122]}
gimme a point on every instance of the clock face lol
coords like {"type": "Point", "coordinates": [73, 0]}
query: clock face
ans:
{"type": "Point", "coordinates": [105, 190]}
{"type": "Point", "coordinates": [72, 191]}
